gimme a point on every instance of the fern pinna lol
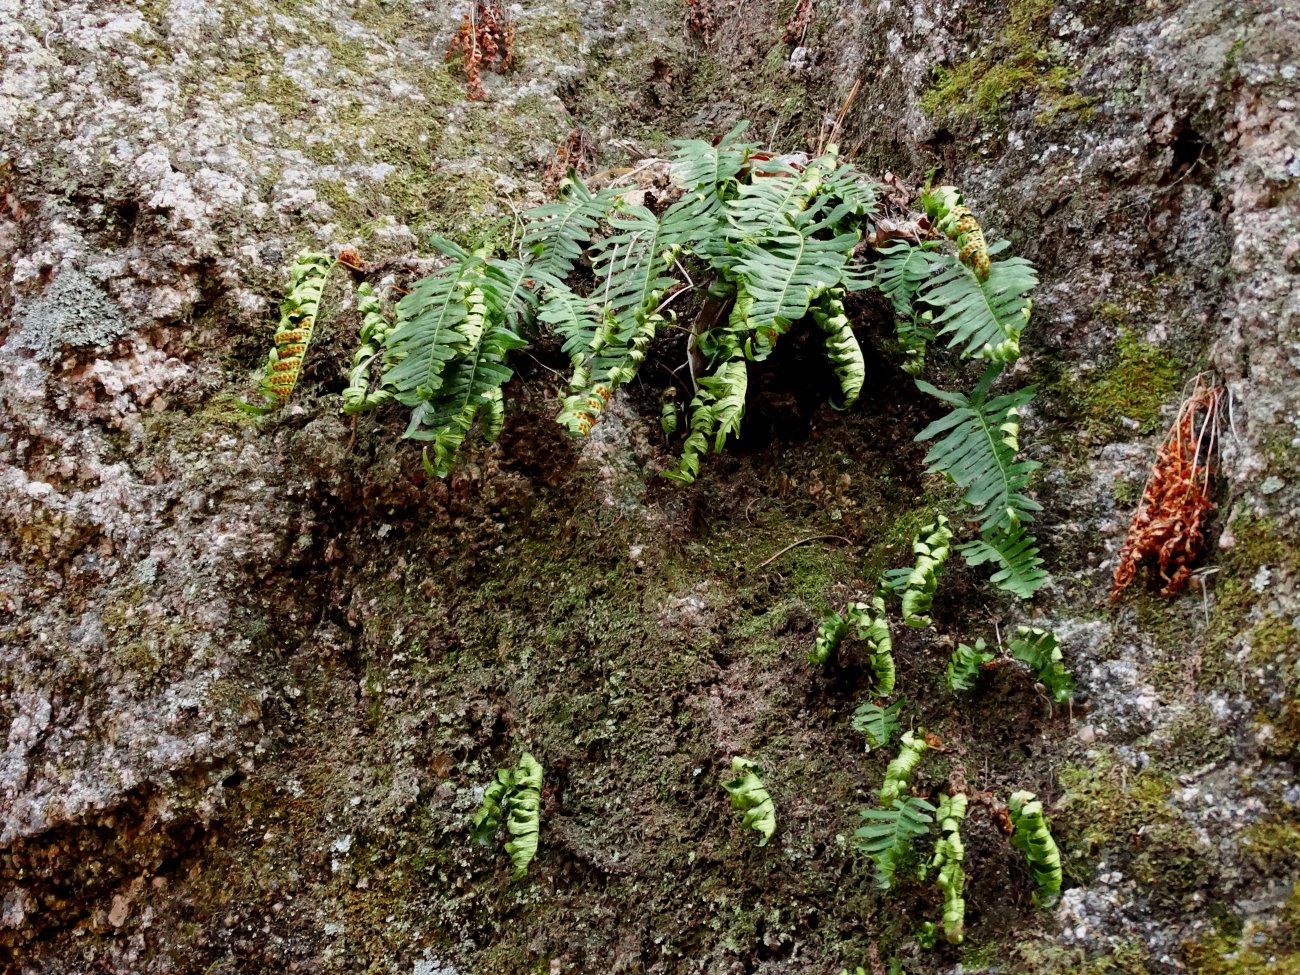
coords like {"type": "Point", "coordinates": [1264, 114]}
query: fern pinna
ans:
{"type": "Point", "coordinates": [515, 795]}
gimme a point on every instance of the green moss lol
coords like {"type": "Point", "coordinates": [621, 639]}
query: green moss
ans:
{"type": "Point", "coordinates": [1020, 60]}
{"type": "Point", "coordinates": [1261, 948]}
{"type": "Point", "coordinates": [1141, 379]}
{"type": "Point", "coordinates": [1047, 958]}
{"type": "Point", "coordinates": [1272, 846]}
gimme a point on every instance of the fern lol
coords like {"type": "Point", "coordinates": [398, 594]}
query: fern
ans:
{"type": "Point", "coordinates": [877, 723]}
{"type": "Point", "coordinates": [515, 795]}
{"type": "Point", "coordinates": [900, 272]}
{"type": "Point", "coordinates": [1016, 552]}
{"type": "Point", "coordinates": [700, 165]}
{"type": "Point", "coordinates": [1033, 838]}
{"type": "Point", "coordinates": [918, 584]}
{"type": "Point", "coordinates": [524, 820]}
{"type": "Point", "coordinates": [986, 316]}
{"type": "Point", "coordinates": [949, 854]}
{"type": "Point", "coordinates": [830, 632]}
{"type": "Point", "coordinates": [898, 774]}
{"type": "Point", "coordinates": [873, 626]}
{"type": "Point", "coordinates": [980, 439]}
{"type": "Point", "coordinates": [841, 346]}
{"type": "Point", "coordinates": [952, 218]}
{"type": "Point", "coordinates": [372, 334]}
{"type": "Point", "coordinates": [446, 356]}
{"type": "Point", "coordinates": [750, 798]}
{"type": "Point", "coordinates": [1041, 651]}
{"type": "Point", "coordinates": [554, 234]}
{"type": "Point", "coordinates": [716, 412]}
{"type": "Point", "coordinates": [965, 665]}
{"type": "Point", "coordinates": [888, 834]}
{"type": "Point", "coordinates": [307, 278]}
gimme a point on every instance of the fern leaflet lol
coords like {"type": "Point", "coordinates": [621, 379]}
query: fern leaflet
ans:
{"type": "Point", "coordinates": [515, 795]}
{"type": "Point", "coordinates": [877, 723]}
{"type": "Point", "coordinates": [978, 452]}
{"type": "Point", "coordinates": [888, 834]}
{"type": "Point", "coordinates": [1041, 651]}
{"type": "Point", "coordinates": [1016, 552]}
{"type": "Point", "coordinates": [898, 774]}
{"type": "Point", "coordinates": [964, 667]}
{"type": "Point", "coordinates": [750, 798]}
{"type": "Point", "coordinates": [1033, 838]}
{"type": "Point", "coordinates": [918, 584]}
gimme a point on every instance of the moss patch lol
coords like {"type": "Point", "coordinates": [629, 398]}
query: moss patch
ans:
{"type": "Point", "coordinates": [1022, 59]}
{"type": "Point", "coordinates": [1141, 379]}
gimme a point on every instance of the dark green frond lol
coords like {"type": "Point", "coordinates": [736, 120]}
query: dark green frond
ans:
{"type": "Point", "coordinates": [1016, 552]}
{"type": "Point", "coordinates": [554, 234]}
{"type": "Point", "coordinates": [887, 834]}
{"type": "Point", "coordinates": [984, 316]}
{"type": "Point", "coordinates": [980, 439]}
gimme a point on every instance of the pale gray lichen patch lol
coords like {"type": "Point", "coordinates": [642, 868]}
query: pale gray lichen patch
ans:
{"type": "Point", "coordinates": [74, 311]}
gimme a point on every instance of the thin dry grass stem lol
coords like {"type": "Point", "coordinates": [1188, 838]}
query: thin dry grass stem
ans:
{"type": "Point", "coordinates": [1168, 528]}
{"type": "Point", "coordinates": [826, 138]}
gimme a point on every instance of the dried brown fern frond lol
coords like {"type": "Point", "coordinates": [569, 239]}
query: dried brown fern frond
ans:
{"type": "Point", "coordinates": [1168, 528]}
{"type": "Point", "coordinates": [486, 38]}
{"type": "Point", "coordinates": [578, 154]}
{"type": "Point", "coordinates": [798, 23]}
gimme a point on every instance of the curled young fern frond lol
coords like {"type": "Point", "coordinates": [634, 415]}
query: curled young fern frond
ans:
{"type": "Point", "coordinates": [877, 723]}
{"type": "Point", "coordinates": [1040, 650]}
{"type": "Point", "coordinates": [949, 854]}
{"type": "Point", "coordinates": [965, 666]}
{"type": "Point", "coordinates": [887, 835]}
{"type": "Point", "coordinates": [898, 774]}
{"type": "Point", "coordinates": [980, 439]}
{"type": "Point", "coordinates": [515, 795]}
{"type": "Point", "coordinates": [307, 278]}
{"type": "Point", "coordinates": [830, 632]}
{"type": "Point", "coordinates": [1033, 838]}
{"type": "Point", "coordinates": [524, 820]}
{"type": "Point", "coordinates": [372, 335]}
{"type": "Point", "coordinates": [841, 346]}
{"type": "Point", "coordinates": [1016, 552]}
{"type": "Point", "coordinates": [952, 218]}
{"type": "Point", "coordinates": [716, 412]}
{"type": "Point", "coordinates": [872, 624]}
{"type": "Point", "coordinates": [750, 798]}
{"type": "Point", "coordinates": [918, 584]}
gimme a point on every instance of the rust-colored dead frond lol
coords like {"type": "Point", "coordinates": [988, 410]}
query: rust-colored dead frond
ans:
{"type": "Point", "coordinates": [485, 39]}
{"type": "Point", "coordinates": [798, 22]}
{"type": "Point", "coordinates": [1168, 528]}
{"type": "Point", "coordinates": [578, 153]}
{"type": "Point", "coordinates": [701, 20]}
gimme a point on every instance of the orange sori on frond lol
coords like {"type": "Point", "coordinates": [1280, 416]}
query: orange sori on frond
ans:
{"type": "Point", "coordinates": [1168, 527]}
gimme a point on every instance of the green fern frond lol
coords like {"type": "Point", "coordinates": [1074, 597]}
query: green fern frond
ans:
{"type": "Point", "coordinates": [373, 333]}
{"type": "Point", "coordinates": [984, 316]}
{"type": "Point", "coordinates": [964, 667]}
{"type": "Point", "coordinates": [888, 834]}
{"type": "Point", "coordinates": [716, 412]}
{"type": "Point", "coordinates": [750, 798]}
{"type": "Point", "coordinates": [700, 165]}
{"type": "Point", "coordinates": [918, 584]}
{"type": "Point", "coordinates": [949, 854]}
{"type": "Point", "coordinates": [435, 323]}
{"type": "Point", "coordinates": [841, 346]}
{"type": "Point", "coordinates": [900, 272]}
{"type": "Point", "coordinates": [952, 218]}
{"type": "Point", "coordinates": [1033, 838]}
{"type": "Point", "coordinates": [1016, 551]}
{"type": "Point", "coordinates": [515, 795]}
{"type": "Point", "coordinates": [307, 278]}
{"type": "Point", "coordinates": [872, 625]}
{"type": "Point", "coordinates": [898, 774]}
{"type": "Point", "coordinates": [978, 452]}
{"type": "Point", "coordinates": [523, 822]}
{"type": "Point", "coordinates": [471, 391]}
{"type": "Point", "coordinates": [830, 632]}
{"type": "Point", "coordinates": [1040, 650]}
{"type": "Point", "coordinates": [877, 723]}
{"type": "Point", "coordinates": [555, 233]}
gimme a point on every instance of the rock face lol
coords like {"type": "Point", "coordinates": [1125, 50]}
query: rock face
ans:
{"type": "Point", "coordinates": [252, 672]}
